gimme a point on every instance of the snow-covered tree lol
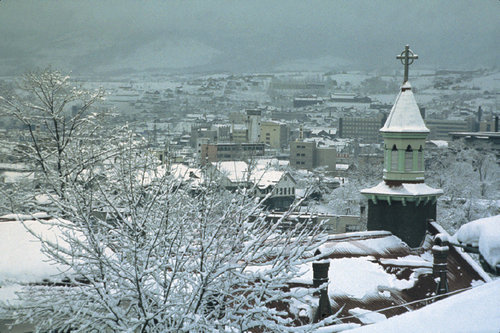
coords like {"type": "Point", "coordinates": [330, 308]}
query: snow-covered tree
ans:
{"type": "Point", "coordinates": [59, 122]}
{"type": "Point", "coordinates": [346, 199]}
{"type": "Point", "coordinates": [145, 252]}
{"type": "Point", "coordinates": [139, 249]}
{"type": "Point", "coordinates": [470, 179]}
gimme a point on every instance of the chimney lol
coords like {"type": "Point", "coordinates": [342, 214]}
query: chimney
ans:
{"type": "Point", "coordinates": [320, 278]}
{"type": "Point", "coordinates": [439, 270]}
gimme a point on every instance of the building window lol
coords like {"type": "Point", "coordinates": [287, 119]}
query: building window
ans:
{"type": "Point", "coordinates": [352, 228]}
{"type": "Point", "coordinates": [420, 157]}
{"type": "Point", "coordinates": [394, 158]}
{"type": "Point", "coordinates": [408, 158]}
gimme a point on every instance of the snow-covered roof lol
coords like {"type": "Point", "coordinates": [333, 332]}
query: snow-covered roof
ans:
{"type": "Point", "coordinates": [484, 233]}
{"type": "Point", "coordinates": [420, 189]}
{"type": "Point", "coordinates": [261, 175]}
{"type": "Point", "coordinates": [181, 171]}
{"type": "Point", "coordinates": [235, 171]}
{"type": "Point", "coordinates": [439, 143]}
{"type": "Point", "coordinates": [322, 142]}
{"type": "Point", "coordinates": [371, 277]}
{"type": "Point", "coordinates": [365, 274]}
{"type": "Point", "coordinates": [340, 166]}
{"type": "Point", "coordinates": [405, 115]}
{"type": "Point", "coordinates": [265, 178]}
{"type": "Point", "coordinates": [475, 310]}
{"type": "Point", "coordinates": [21, 256]}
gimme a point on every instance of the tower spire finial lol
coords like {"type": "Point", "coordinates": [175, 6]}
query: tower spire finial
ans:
{"type": "Point", "coordinates": [407, 57]}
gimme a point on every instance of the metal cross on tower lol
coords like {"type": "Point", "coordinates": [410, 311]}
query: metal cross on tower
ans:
{"type": "Point", "coordinates": [407, 57]}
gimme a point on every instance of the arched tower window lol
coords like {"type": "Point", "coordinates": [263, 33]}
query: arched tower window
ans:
{"type": "Point", "coordinates": [408, 158]}
{"type": "Point", "coordinates": [386, 157]}
{"type": "Point", "coordinates": [394, 158]}
{"type": "Point", "coordinates": [420, 158]}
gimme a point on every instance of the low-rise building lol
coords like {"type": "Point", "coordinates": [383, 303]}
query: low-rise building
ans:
{"type": "Point", "coordinates": [364, 128]}
{"type": "Point", "coordinates": [332, 224]}
{"type": "Point", "coordinates": [480, 140]}
{"type": "Point", "coordinates": [301, 101]}
{"type": "Point", "coordinates": [440, 128]}
{"type": "Point", "coordinates": [230, 151]}
{"type": "Point", "coordinates": [275, 188]}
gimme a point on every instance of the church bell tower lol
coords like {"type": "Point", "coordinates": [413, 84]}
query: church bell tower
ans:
{"type": "Point", "coordinates": [402, 203]}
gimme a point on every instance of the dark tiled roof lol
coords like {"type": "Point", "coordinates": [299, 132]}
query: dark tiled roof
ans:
{"type": "Point", "coordinates": [384, 249]}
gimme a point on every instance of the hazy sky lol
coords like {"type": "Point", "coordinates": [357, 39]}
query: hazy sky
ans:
{"type": "Point", "coordinates": [97, 36]}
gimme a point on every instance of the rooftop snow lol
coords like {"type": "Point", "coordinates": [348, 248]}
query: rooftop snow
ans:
{"type": "Point", "coordinates": [262, 175]}
{"type": "Point", "coordinates": [405, 115]}
{"type": "Point", "coordinates": [475, 310]}
{"type": "Point", "coordinates": [420, 189]}
{"type": "Point", "coordinates": [22, 259]}
{"type": "Point", "coordinates": [484, 233]}
{"type": "Point", "coordinates": [357, 277]}
{"type": "Point", "coordinates": [440, 143]}
{"type": "Point", "coordinates": [186, 173]}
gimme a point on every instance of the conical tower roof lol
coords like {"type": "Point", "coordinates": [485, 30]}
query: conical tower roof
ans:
{"type": "Point", "coordinates": [405, 115]}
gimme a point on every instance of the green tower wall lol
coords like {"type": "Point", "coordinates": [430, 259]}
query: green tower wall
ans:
{"type": "Point", "coordinates": [407, 222]}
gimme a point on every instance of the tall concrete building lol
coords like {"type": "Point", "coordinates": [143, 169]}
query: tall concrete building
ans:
{"type": "Point", "coordinates": [302, 155]}
{"type": "Point", "coordinates": [402, 203]}
{"type": "Point", "coordinates": [306, 155]}
{"type": "Point", "coordinates": [274, 134]}
{"type": "Point", "coordinates": [253, 125]}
